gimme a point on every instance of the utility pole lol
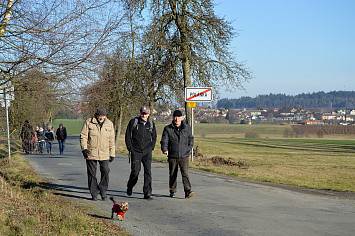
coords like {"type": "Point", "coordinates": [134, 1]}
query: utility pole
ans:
{"type": "Point", "coordinates": [8, 93]}
{"type": "Point", "coordinates": [7, 124]}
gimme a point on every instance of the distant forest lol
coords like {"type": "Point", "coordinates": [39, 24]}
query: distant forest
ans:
{"type": "Point", "coordinates": [330, 100]}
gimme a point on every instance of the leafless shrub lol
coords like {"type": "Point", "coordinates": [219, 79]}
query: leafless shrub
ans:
{"type": "Point", "coordinates": [251, 135]}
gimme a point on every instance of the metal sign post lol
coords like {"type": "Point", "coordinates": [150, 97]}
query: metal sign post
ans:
{"type": "Point", "coordinates": [8, 96]}
{"type": "Point", "coordinates": [192, 105]}
{"type": "Point", "coordinates": [7, 125]}
{"type": "Point", "coordinates": [193, 95]}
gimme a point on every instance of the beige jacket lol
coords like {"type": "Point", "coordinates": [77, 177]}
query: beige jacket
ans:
{"type": "Point", "coordinates": [100, 142]}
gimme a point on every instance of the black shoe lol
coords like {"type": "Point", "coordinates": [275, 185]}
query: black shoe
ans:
{"type": "Point", "coordinates": [189, 194]}
{"type": "Point", "coordinates": [129, 191]}
{"type": "Point", "coordinates": [172, 194]}
{"type": "Point", "coordinates": [94, 198]}
{"type": "Point", "coordinates": [148, 196]}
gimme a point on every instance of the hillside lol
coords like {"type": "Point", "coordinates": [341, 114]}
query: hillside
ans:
{"type": "Point", "coordinates": [333, 100]}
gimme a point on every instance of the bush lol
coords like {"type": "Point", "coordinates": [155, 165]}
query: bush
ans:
{"type": "Point", "coordinates": [243, 122]}
{"type": "Point", "coordinates": [251, 135]}
{"type": "Point", "coordinates": [320, 134]}
{"type": "Point", "coordinates": [287, 133]}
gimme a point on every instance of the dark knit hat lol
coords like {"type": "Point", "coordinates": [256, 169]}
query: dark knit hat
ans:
{"type": "Point", "coordinates": [101, 111]}
{"type": "Point", "coordinates": [145, 109]}
{"type": "Point", "coordinates": [177, 113]}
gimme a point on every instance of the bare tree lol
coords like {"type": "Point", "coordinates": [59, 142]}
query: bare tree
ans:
{"type": "Point", "coordinates": [35, 100]}
{"type": "Point", "coordinates": [52, 36]}
{"type": "Point", "coordinates": [156, 66]}
{"type": "Point", "coordinates": [200, 40]}
{"type": "Point", "coordinates": [118, 89]}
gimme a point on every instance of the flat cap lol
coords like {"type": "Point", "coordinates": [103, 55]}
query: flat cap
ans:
{"type": "Point", "coordinates": [101, 111]}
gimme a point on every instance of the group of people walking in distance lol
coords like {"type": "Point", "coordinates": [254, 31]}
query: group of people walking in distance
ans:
{"type": "Point", "coordinates": [39, 139]}
{"type": "Point", "coordinates": [97, 140]}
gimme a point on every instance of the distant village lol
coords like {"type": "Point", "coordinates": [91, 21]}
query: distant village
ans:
{"type": "Point", "coordinates": [275, 115]}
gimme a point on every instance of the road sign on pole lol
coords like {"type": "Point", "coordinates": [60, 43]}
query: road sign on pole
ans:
{"type": "Point", "coordinates": [198, 94]}
{"type": "Point", "coordinates": [8, 95]}
{"type": "Point", "coordinates": [193, 95]}
{"type": "Point", "coordinates": [191, 104]}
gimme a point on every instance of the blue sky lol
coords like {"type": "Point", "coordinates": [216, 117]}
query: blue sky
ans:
{"type": "Point", "coordinates": [293, 46]}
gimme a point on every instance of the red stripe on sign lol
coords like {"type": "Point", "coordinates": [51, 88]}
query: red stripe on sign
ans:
{"type": "Point", "coordinates": [198, 94]}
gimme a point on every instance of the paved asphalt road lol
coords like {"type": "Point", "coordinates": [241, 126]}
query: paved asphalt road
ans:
{"type": "Point", "coordinates": [221, 205]}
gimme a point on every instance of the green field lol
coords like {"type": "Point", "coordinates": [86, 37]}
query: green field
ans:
{"type": "Point", "coordinates": [320, 163]}
{"type": "Point", "coordinates": [73, 127]}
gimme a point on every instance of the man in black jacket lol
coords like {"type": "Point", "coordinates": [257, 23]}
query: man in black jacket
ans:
{"type": "Point", "coordinates": [61, 137]}
{"type": "Point", "coordinates": [141, 137]}
{"type": "Point", "coordinates": [177, 142]}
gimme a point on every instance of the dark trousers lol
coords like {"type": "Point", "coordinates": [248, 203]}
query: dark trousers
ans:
{"type": "Point", "coordinates": [174, 164]}
{"type": "Point", "coordinates": [136, 159]}
{"type": "Point", "coordinates": [26, 146]}
{"type": "Point", "coordinates": [94, 187]}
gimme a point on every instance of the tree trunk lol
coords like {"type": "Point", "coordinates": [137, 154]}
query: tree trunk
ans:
{"type": "Point", "coordinates": [118, 125]}
{"type": "Point", "coordinates": [182, 26]}
{"type": "Point", "coordinates": [187, 83]}
{"type": "Point", "coordinates": [6, 18]}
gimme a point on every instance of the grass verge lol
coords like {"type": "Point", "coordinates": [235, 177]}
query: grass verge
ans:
{"type": "Point", "coordinates": [318, 164]}
{"type": "Point", "coordinates": [30, 207]}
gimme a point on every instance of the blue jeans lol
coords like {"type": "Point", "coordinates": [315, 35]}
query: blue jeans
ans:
{"type": "Point", "coordinates": [61, 145]}
{"type": "Point", "coordinates": [49, 146]}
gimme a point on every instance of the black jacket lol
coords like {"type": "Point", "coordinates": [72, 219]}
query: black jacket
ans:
{"type": "Point", "coordinates": [141, 138]}
{"type": "Point", "coordinates": [177, 141]}
{"type": "Point", "coordinates": [49, 135]}
{"type": "Point", "coordinates": [61, 134]}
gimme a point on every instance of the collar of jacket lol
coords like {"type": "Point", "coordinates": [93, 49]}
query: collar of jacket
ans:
{"type": "Point", "coordinates": [182, 125]}
{"type": "Point", "coordinates": [95, 121]}
{"type": "Point", "coordinates": [141, 121]}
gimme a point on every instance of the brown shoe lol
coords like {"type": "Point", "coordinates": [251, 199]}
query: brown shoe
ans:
{"type": "Point", "coordinates": [189, 194]}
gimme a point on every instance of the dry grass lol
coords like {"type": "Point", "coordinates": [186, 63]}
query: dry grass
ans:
{"type": "Point", "coordinates": [327, 163]}
{"type": "Point", "coordinates": [30, 207]}
{"type": "Point", "coordinates": [317, 164]}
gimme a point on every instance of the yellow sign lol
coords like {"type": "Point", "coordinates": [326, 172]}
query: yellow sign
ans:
{"type": "Point", "coordinates": [191, 104]}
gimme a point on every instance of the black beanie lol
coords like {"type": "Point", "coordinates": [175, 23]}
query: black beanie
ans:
{"type": "Point", "coordinates": [177, 113]}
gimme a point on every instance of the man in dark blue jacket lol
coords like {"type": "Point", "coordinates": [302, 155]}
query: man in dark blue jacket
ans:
{"type": "Point", "coordinates": [141, 137]}
{"type": "Point", "coordinates": [177, 142]}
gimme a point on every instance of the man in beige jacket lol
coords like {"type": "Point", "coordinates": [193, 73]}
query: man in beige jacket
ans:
{"type": "Point", "coordinates": [97, 140]}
